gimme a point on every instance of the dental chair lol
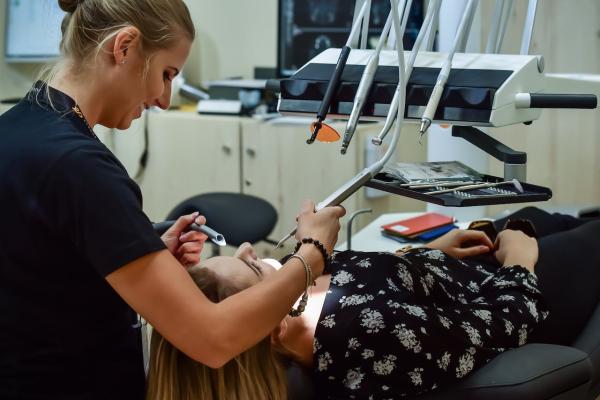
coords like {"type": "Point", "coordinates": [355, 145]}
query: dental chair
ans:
{"type": "Point", "coordinates": [534, 371]}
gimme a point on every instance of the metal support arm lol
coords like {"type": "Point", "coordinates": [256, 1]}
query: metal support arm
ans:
{"type": "Point", "coordinates": [515, 162]}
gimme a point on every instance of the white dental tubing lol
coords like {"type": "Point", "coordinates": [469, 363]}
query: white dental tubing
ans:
{"type": "Point", "coordinates": [432, 9]}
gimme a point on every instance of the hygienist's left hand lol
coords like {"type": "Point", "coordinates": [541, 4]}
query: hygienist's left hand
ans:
{"type": "Point", "coordinates": [185, 245]}
{"type": "Point", "coordinates": [460, 243]}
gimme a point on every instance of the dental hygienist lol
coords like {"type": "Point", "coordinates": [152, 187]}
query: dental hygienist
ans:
{"type": "Point", "coordinates": [77, 254]}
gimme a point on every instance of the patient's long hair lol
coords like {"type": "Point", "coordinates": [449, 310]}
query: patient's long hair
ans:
{"type": "Point", "coordinates": [255, 374]}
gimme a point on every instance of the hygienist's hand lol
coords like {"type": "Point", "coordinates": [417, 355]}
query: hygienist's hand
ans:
{"type": "Point", "coordinates": [460, 243]}
{"type": "Point", "coordinates": [323, 226]}
{"type": "Point", "coordinates": [185, 245]}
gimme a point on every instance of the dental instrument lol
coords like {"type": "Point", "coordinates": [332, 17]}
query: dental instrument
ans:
{"type": "Point", "coordinates": [334, 81]}
{"type": "Point", "coordinates": [438, 89]}
{"type": "Point", "coordinates": [368, 173]}
{"type": "Point", "coordinates": [213, 235]}
{"type": "Point", "coordinates": [432, 8]}
{"type": "Point", "coordinates": [364, 86]}
{"type": "Point", "coordinates": [440, 184]}
{"type": "Point", "coordinates": [514, 182]}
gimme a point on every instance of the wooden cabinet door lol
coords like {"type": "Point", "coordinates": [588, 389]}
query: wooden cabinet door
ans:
{"type": "Point", "coordinates": [188, 155]}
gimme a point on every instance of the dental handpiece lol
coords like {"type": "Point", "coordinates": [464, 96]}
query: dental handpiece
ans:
{"type": "Point", "coordinates": [436, 95]}
{"type": "Point", "coordinates": [334, 81]}
{"type": "Point", "coordinates": [425, 27]}
{"type": "Point", "coordinates": [360, 100]}
{"type": "Point", "coordinates": [214, 236]}
{"type": "Point", "coordinates": [332, 87]}
{"type": "Point", "coordinates": [364, 87]}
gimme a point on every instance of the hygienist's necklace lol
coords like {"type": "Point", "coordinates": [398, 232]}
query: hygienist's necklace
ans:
{"type": "Point", "coordinates": [78, 112]}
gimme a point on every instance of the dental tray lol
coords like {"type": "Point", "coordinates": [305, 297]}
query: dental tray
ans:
{"type": "Point", "coordinates": [504, 194]}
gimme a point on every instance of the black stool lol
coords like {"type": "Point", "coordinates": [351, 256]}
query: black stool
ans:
{"type": "Point", "coordinates": [239, 217]}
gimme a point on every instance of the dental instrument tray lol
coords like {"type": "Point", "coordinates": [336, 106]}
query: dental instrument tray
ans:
{"type": "Point", "coordinates": [503, 192]}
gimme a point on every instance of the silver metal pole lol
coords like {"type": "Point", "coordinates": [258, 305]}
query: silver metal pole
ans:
{"type": "Point", "coordinates": [528, 28]}
{"type": "Point", "coordinates": [349, 225]}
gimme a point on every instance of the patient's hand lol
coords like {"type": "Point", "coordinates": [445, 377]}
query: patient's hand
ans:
{"type": "Point", "coordinates": [516, 248]}
{"type": "Point", "coordinates": [460, 243]}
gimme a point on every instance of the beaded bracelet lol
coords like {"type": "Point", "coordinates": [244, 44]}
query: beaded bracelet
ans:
{"type": "Point", "coordinates": [296, 312]}
{"type": "Point", "coordinates": [319, 246]}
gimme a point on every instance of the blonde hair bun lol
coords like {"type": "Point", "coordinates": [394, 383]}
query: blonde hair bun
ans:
{"type": "Point", "coordinates": [69, 5]}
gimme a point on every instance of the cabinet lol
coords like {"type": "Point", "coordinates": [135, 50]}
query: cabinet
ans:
{"type": "Point", "coordinates": [187, 155]}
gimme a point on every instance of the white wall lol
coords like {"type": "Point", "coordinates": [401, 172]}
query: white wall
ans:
{"type": "Point", "coordinates": [233, 36]}
{"type": "Point", "coordinates": [15, 79]}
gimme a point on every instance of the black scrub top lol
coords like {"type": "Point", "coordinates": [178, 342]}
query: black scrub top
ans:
{"type": "Point", "coordinates": [69, 216]}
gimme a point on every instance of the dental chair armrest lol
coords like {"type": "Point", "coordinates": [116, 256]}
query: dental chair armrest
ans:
{"type": "Point", "coordinates": [589, 342]}
{"type": "Point", "coordinates": [533, 371]}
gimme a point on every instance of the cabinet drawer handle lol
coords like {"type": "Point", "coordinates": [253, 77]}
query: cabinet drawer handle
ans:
{"type": "Point", "coordinates": [226, 149]}
{"type": "Point", "coordinates": [248, 182]}
{"type": "Point", "coordinates": [250, 152]}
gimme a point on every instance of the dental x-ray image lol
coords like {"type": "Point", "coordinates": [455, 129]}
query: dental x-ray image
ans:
{"type": "Point", "coordinates": [307, 27]}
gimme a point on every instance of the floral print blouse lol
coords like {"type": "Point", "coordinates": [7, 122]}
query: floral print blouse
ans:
{"type": "Point", "coordinates": [395, 326]}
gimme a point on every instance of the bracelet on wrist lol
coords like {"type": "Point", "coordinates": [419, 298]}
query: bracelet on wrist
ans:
{"type": "Point", "coordinates": [319, 246]}
{"type": "Point", "coordinates": [296, 312]}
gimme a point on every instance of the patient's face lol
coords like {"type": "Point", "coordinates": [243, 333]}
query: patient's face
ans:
{"type": "Point", "coordinates": [245, 269]}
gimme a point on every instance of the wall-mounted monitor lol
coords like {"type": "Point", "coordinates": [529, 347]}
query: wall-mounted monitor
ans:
{"type": "Point", "coordinates": [32, 30]}
{"type": "Point", "coordinates": [307, 27]}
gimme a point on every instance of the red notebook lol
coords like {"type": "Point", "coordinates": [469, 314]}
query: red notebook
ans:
{"type": "Point", "coordinates": [422, 223]}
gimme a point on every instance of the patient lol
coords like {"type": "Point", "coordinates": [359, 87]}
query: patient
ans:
{"type": "Point", "coordinates": [379, 326]}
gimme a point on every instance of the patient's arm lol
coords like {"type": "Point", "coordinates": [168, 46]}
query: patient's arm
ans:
{"type": "Point", "coordinates": [460, 243]}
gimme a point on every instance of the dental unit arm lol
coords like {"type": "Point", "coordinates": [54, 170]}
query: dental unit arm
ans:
{"type": "Point", "coordinates": [482, 90]}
